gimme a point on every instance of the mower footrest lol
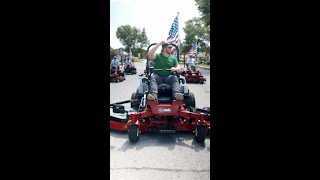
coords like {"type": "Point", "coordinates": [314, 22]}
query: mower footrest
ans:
{"type": "Point", "coordinates": [167, 129]}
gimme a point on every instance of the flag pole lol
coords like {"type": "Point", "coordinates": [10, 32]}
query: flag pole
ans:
{"type": "Point", "coordinates": [179, 39]}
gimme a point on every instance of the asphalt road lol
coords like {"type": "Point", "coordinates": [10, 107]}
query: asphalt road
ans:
{"type": "Point", "coordinates": [158, 156]}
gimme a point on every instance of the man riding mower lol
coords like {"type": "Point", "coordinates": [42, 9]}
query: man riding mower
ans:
{"type": "Point", "coordinates": [129, 68]}
{"type": "Point", "coordinates": [116, 72]}
{"type": "Point", "coordinates": [192, 73]}
{"type": "Point", "coordinates": [161, 108]}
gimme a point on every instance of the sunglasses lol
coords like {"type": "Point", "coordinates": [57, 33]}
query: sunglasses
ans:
{"type": "Point", "coordinates": [169, 47]}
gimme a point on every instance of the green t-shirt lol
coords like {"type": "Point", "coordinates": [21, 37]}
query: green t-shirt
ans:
{"type": "Point", "coordinates": [162, 62]}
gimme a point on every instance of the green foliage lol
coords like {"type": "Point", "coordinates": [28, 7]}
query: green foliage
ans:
{"type": "Point", "coordinates": [196, 32]}
{"type": "Point", "coordinates": [134, 59]}
{"type": "Point", "coordinates": [182, 47]}
{"type": "Point", "coordinates": [203, 59]}
{"type": "Point", "coordinates": [136, 51]}
{"type": "Point", "coordinates": [131, 37]}
{"type": "Point", "coordinates": [204, 8]}
{"type": "Point", "coordinates": [113, 51]}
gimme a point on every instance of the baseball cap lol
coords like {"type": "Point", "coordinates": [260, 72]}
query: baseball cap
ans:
{"type": "Point", "coordinates": [166, 45]}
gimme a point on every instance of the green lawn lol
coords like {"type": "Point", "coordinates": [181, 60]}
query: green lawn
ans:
{"type": "Point", "coordinates": [140, 60]}
{"type": "Point", "coordinates": [200, 65]}
{"type": "Point", "coordinates": [181, 62]}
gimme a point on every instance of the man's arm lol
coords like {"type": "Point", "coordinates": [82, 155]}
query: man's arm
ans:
{"type": "Point", "coordinates": [176, 68]}
{"type": "Point", "coordinates": [151, 54]}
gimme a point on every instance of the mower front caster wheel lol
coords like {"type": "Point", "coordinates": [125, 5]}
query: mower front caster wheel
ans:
{"type": "Point", "coordinates": [200, 133]}
{"type": "Point", "coordinates": [133, 133]}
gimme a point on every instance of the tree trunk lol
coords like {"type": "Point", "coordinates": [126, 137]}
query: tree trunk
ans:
{"type": "Point", "coordinates": [209, 56]}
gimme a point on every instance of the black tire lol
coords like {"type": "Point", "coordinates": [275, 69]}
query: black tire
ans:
{"type": "Point", "coordinates": [136, 100]}
{"type": "Point", "coordinates": [190, 100]}
{"type": "Point", "coordinates": [200, 133]}
{"type": "Point", "coordinates": [133, 133]}
{"type": "Point", "coordinates": [201, 81]}
{"type": "Point", "coordinates": [117, 80]}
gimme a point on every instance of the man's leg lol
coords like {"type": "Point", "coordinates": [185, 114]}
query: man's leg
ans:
{"type": "Point", "coordinates": [175, 86]}
{"type": "Point", "coordinates": [154, 81]}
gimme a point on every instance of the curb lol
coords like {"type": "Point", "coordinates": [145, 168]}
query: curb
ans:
{"type": "Point", "coordinates": [140, 61]}
{"type": "Point", "coordinates": [203, 67]}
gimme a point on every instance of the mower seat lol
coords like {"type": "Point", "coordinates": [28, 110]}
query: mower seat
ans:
{"type": "Point", "coordinates": [164, 86]}
{"type": "Point", "coordinates": [164, 99]}
{"type": "Point", "coordinates": [164, 95]}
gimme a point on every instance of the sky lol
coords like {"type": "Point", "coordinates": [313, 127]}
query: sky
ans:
{"type": "Point", "coordinates": [156, 16]}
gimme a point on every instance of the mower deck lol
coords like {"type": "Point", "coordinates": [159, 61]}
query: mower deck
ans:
{"type": "Point", "coordinates": [116, 78]}
{"type": "Point", "coordinates": [164, 115]}
{"type": "Point", "coordinates": [158, 118]}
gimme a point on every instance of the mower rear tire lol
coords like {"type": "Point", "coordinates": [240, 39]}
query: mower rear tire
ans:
{"type": "Point", "coordinates": [200, 133]}
{"type": "Point", "coordinates": [133, 133]}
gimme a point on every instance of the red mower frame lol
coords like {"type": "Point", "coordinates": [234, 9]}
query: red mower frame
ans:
{"type": "Point", "coordinates": [193, 76]}
{"type": "Point", "coordinates": [117, 77]}
{"type": "Point", "coordinates": [160, 117]}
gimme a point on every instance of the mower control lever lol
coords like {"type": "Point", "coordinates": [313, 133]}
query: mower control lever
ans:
{"type": "Point", "coordinates": [175, 72]}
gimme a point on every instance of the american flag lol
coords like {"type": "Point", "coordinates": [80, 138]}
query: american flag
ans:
{"type": "Point", "coordinates": [130, 53]}
{"type": "Point", "coordinates": [118, 57]}
{"type": "Point", "coordinates": [174, 32]}
{"type": "Point", "coordinates": [194, 48]}
{"type": "Point", "coordinates": [191, 53]}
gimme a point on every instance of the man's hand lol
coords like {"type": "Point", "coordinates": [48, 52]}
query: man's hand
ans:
{"type": "Point", "coordinates": [170, 41]}
{"type": "Point", "coordinates": [173, 69]}
{"type": "Point", "coordinates": [162, 42]}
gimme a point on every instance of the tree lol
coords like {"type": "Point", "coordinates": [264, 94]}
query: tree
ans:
{"type": "Point", "coordinates": [112, 51]}
{"type": "Point", "coordinates": [182, 47]}
{"type": "Point", "coordinates": [131, 37]}
{"type": "Point", "coordinates": [143, 39]}
{"type": "Point", "coordinates": [204, 8]}
{"type": "Point", "coordinates": [196, 32]}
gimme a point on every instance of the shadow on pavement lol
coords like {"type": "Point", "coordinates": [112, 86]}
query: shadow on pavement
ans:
{"type": "Point", "coordinates": [165, 140]}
